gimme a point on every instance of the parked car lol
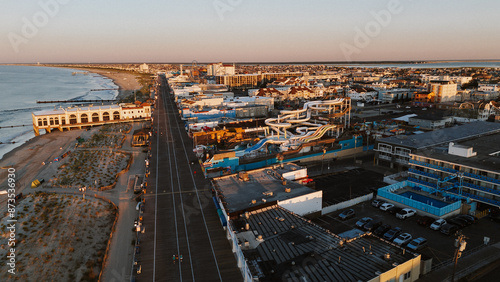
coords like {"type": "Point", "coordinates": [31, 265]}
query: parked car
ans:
{"type": "Point", "coordinates": [377, 203]}
{"type": "Point", "coordinates": [425, 220]}
{"type": "Point", "coordinates": [393, 233]}
{"type": "Point", "coordinates": [469, 218]}
{"type": "Point", "coordinates": [458, 222]}
{"type": "Point", "coordinates": [406, 213]}
{"type": "Point", "coordinates": [386, 206]}
{"type": "Point", "coordinates": [363, 221]}
{"type": "Point", "coordinates": [380, 231]}
{"type": "Point", "coordinates": [449, 229]}
{"type": "Point", "coordinates": [372, 225]}
{"type": "Point", "coordinates": [394, 210]}
{"type": "Point", "coordinates": [402, 239]}
{"type": "Point", "coordinates": [347, 214]}
{"type": "Point", "coordinates": [436, 225]}
{"type": "Point", "coordinates": [417, 244]}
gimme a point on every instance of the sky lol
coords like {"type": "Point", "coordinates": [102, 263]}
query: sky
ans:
{"type": "Point", "coordinates": [162, 31]}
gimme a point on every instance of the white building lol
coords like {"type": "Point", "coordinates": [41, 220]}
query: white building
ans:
{"type": "Point", "coordinates": [389, 95]}
{"type": "Point", "coordinates": [486, 87]}
{"type": "Point", "coordinates": [457, 79]}
{"type": "Point", "coordinates": [79, 117]}
{"type": "Point", "coordinates": [444, 90]}
{"type": "Point", "coordinates": [144, 68]}
{"type": "Point", "coordinates": [220, 69]}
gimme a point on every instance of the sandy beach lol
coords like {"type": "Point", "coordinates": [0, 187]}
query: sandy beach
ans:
{"type": "Point", "coordinates": [127, 82]}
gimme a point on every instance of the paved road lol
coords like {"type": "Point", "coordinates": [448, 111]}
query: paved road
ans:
{"type": "Point", "coordinates": [180, 217]}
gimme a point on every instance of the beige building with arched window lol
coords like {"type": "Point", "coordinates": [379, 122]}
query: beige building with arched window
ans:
{"type": "Point", "coordinates": [78, 117]}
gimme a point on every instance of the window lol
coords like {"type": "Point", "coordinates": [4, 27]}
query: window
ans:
{"type": "Point", "coordinates": [407, 275]}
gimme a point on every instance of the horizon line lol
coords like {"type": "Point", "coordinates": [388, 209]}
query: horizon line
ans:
{"type": "Point", "coordinates": [273, 62]}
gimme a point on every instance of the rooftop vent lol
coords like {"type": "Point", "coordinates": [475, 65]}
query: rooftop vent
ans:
{"type": "Point", "coordinates": [243, 175]}
{"type": "Point", "coordinates": [387, 256]}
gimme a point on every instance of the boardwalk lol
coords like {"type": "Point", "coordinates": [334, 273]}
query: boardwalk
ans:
{"type": "Point", "coordinates": [180, 217]}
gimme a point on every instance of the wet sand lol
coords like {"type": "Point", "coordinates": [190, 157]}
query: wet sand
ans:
{"type": "Point", "coordinates": [127, 82]}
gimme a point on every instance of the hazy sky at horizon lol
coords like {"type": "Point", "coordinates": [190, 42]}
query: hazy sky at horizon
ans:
{"type": "Point", "coordinates": [51, 31]}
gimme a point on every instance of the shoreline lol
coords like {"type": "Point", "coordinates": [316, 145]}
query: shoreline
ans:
{"type": "Point", "coordinates": [126, 83]}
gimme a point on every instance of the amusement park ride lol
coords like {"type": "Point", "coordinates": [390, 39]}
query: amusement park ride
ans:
{"type": "Point", "coordinates": [294, 134]}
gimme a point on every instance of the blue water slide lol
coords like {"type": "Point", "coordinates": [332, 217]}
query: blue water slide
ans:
{"type": "Point", "coordinates": [256, 146]}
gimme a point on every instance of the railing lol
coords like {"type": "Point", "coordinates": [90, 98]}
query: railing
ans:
{"type": "Point", "coordinates": [388, 193]}
{"type": "Point", "coordinates": [384, 157]}
{"type": "Point", "coordinates": [483, 178]}
{"type": "Point", "coordinates": [433, 166]}
{"type": "Point", "coordinates": [433, 185]}
{"type": "Point", "coordinates": [480, 199]}
{"type": "Point", "coordinates": [428, 174]}
{"type": "Point", "coordinates": [482, 189]}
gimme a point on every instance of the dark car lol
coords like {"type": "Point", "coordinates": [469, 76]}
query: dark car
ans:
{"type": "Point", "coordinates": [377, 203]}
{"type": "Point", "coordinates": [425, 220]}
{"type": "Point", "coordinates": [347, 214]}
{"type": "Point", "coordinates": [392, 234]}
{"type": "Point", "coordinates": [360, 223]}
{"type": "Point", "coordinates": [380, 231]}
{"type": "Point", "coordinates": [449, 229]}
{"type": "Point", "coordinates": [458, 222]}
{"type": "Point", "coordinates": [394, 210]}
{"type": "Point", "coordinates": [372, 225]}
{"type": "Point", "coordinates": [417, 244]}
{"type": "Point", "coordinates": [469, 218]}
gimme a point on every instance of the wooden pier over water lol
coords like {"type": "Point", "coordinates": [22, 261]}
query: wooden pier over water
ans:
{"type": "Point", "coordinates": [75, 101]}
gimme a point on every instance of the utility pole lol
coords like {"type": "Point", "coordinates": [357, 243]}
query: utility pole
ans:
{"type": "Point", "coordinates": [460, 245]}
{"type": "Point", "coordinates": [323, 159]}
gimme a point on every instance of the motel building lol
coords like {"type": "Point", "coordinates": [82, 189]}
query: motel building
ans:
{"type": "Point", "coordinates": [80, 117]}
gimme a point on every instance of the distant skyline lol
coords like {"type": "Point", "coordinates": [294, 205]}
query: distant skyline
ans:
{"type": "Point", "coordinates": [112, 31]}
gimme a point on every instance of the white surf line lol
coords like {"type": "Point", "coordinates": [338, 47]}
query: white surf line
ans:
{"type": "Point", "coordinates": [199, 201]}
{"type": "Point", "coordinates": [172, 184]}
{"type": "Point", "coordinates": [182, 203]}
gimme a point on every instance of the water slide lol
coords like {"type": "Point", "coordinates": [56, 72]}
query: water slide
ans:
{"type": "Point", "coordinates": [317, 134]}
{"type": "Point", "coordinates": [293, 118]}
{"type": "Point", "coordinates": [257, 146]}
{"type": "Point", "coordinates": [307, 130]}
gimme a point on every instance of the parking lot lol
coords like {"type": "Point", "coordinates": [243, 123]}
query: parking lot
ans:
{"type": "Point", "coordinates": [440, 247]}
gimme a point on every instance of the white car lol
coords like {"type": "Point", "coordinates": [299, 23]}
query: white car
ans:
{"type": "Point", "coordinates": [403, 239]}
{"type": "Point", "coordinates": [436, 225]}
{"type": "Point", "coordinates": [386, 206]}
{"type": "Point", "coordinates": [405, 213]}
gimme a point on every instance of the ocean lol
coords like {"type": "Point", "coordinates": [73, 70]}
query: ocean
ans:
{"type": "Point", "coordinates": [22, 86]}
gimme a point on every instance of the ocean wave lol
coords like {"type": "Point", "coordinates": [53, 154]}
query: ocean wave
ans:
{"type": "Point", "coordinates": [21, 109]}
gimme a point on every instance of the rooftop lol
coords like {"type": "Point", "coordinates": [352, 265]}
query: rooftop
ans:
{"type": "Point", "coordinates": [444, 136]}
{"type": "Point", "coordinates": [75, 109]}
{"type": "Point", "coordinates": [264, 185]}
{"type": "Point", "coordinates": [293, 248]}
{"type": "Point", "coordinates": [486, 147]}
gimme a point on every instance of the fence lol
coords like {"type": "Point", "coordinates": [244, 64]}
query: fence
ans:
{"type": "Point", "coordinates": [346, 204]}
{"type": "Point", "coordinates": [387, 192]}
{"type": "Point", "coordinates": [240, 257]}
